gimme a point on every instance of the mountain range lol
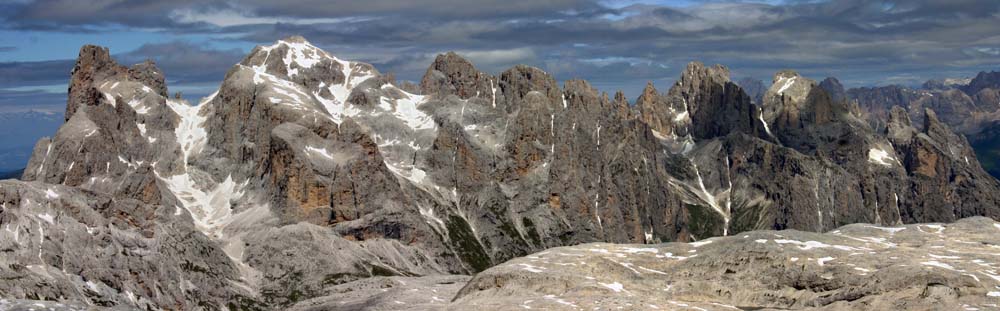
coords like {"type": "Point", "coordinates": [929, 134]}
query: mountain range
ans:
{"type": "Point", "coordinates": [305, 175]}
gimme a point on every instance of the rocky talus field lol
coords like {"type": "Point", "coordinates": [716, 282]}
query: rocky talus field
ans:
{"type": "Point", "coordinates": [309, 182]}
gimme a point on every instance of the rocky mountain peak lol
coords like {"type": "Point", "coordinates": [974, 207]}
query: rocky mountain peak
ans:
{"type": "Point", "coordinates": [898, 115]}
{"type": "Point", "coordinates": [668, 116]}
{"type": "Point", "coordinates": [788, 83]}
{"type": "Point", "coordinates": [93, 64]}
{"type": "Point", "coordinates": [150, 75]}
{"type": "Point", "coordinates": [784, 74]}
{"type": "Point", "coordinates": [836, 90]}
{"type": "Point", "coordinates": [296, 60]}
{"type": "Point", "coordinates": [899, 128]}
{"type": "Point", "coordinates": [649, 91]}
{"type": "Point", "coordinates": [786, 97]}
{"type": "Point", "coordinates": [451, 74]}
{"type": "Point", "coordinates": [518, 81]}
{"type": "Point", "coordinates": [661, 115]}
{"type": "Point", "coordinates": [935, 128]}
{"type": "Point", "coordinates": [696, 73]}
{"type": "Point", "coordinates": [946, 84]}
{"type": "Point", "coordinates": [983, 80]}
{"type": "Point", "coordinates": [96, 57]}
{"type": "Point", "coordinates": [296, 39]}
{"type": "Point", "coordinates": [706, 104]}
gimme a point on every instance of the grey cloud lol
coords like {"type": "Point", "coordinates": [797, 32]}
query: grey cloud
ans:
{"type": "Point", "coordinates": [22, 100]}
{"type": "Point", "coordinates": [429, 8]}
{"type": "Point", "coordinates": [859, 41]}
{"type": "Point", "coordinates": [185, 62]}
{"type": "Point", "coordinates": [20, 74]}
{"type": "Point", "coordinates": [78, 14]}
{"type": "Point", "coordinates": [42, 85]}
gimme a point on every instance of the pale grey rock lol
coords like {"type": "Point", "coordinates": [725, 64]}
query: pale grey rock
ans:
{"type": "Point", "coordinates": [74, 245]}
{"type": "Point", "coordinates": [389, 293]}
{"type": "Point", "coordinates": [856, 267]}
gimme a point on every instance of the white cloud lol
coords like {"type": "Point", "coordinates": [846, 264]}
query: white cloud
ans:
{"type": "Point", "coordinates": [503, 57]}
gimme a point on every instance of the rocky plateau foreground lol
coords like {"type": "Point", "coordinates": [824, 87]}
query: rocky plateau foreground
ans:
{"type": "Point", "coordinates": [856, 267]}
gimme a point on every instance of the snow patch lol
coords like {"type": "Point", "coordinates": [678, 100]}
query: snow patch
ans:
{"type": "Point", "coordinates": [633, 250]}
{"type": "Point", "coordinates": [814, 244]}
{"type": "Point", "coordinates": [712, 201]}
{"type": "Point", "coordinates": [405, 109]}
{"type": "Point", "coordinates": [211, 210]}
{"type": "Point", "coordinates": [190, 132]}
{"type": "Point", "coordinates": [433, 219]}
{"type": "Point", "coordinates": [700, 243]}
{"type": "Point", "coordinates": [617, 287]}
{"type": "Point", "coordinates": [681, 116]}
{"type": "Point", "coordinates": [935, 263]}
{"type": "Point", "coordinates": [888, 229]}
{"type": "Point", "coordinates": [320, 151]}
{"type": "Point", "coordinates": [532, 269]}
{"type": "Point", "coordinates": [760, 116]}
{"type": "Point", "coordinates": [47, 218]}
{"type": "Point", "coordinates": [881, 157]}
{"type": "Point", "coordinates": [788, 82]}
{"type": "Point", "coordinates": [50, 194]}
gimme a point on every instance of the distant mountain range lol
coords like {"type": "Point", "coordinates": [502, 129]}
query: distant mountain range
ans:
{"type": "Point", "coordinates": [969, 106]}
{"type": "Point", "coordinates": [306, 177]}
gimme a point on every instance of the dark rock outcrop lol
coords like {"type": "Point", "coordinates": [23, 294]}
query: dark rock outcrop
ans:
{"type": "Point", "coordinates": [836, 90]}
{"type": "Point", "coordinates": [984, 80]}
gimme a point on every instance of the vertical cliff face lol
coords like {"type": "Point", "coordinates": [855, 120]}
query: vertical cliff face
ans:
{"type": "Point", "coordinates": [304, 171]}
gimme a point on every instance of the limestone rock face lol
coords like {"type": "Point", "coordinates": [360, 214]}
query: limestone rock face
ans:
{"type": "Point", "coordinates": [784, 101]}
{"type": "Point", "coordinates": [716, 106]}
{"type": "Point", "coordinates": [69, 244]}
{"type": "Point", "coordinates": [305, 173]}
{"type": "Point", "coordinates": [937, 160]}
{"type": "Point", "coordinates": [659, 114]}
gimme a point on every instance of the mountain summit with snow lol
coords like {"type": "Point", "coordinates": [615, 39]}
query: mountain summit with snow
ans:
{"type": "Point", "coordinates": [305, 175]}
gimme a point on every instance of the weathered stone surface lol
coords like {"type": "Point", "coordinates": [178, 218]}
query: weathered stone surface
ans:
{"type": "Point", "coordinates": [389, 293]}
{"type": "Point", "coordinates": [856, 267]}
{"type": "Point", "coordinates": [66, 244]}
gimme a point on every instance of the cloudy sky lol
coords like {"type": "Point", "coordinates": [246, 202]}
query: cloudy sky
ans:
{"type": "Point", "coordinates": [614, 44]}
